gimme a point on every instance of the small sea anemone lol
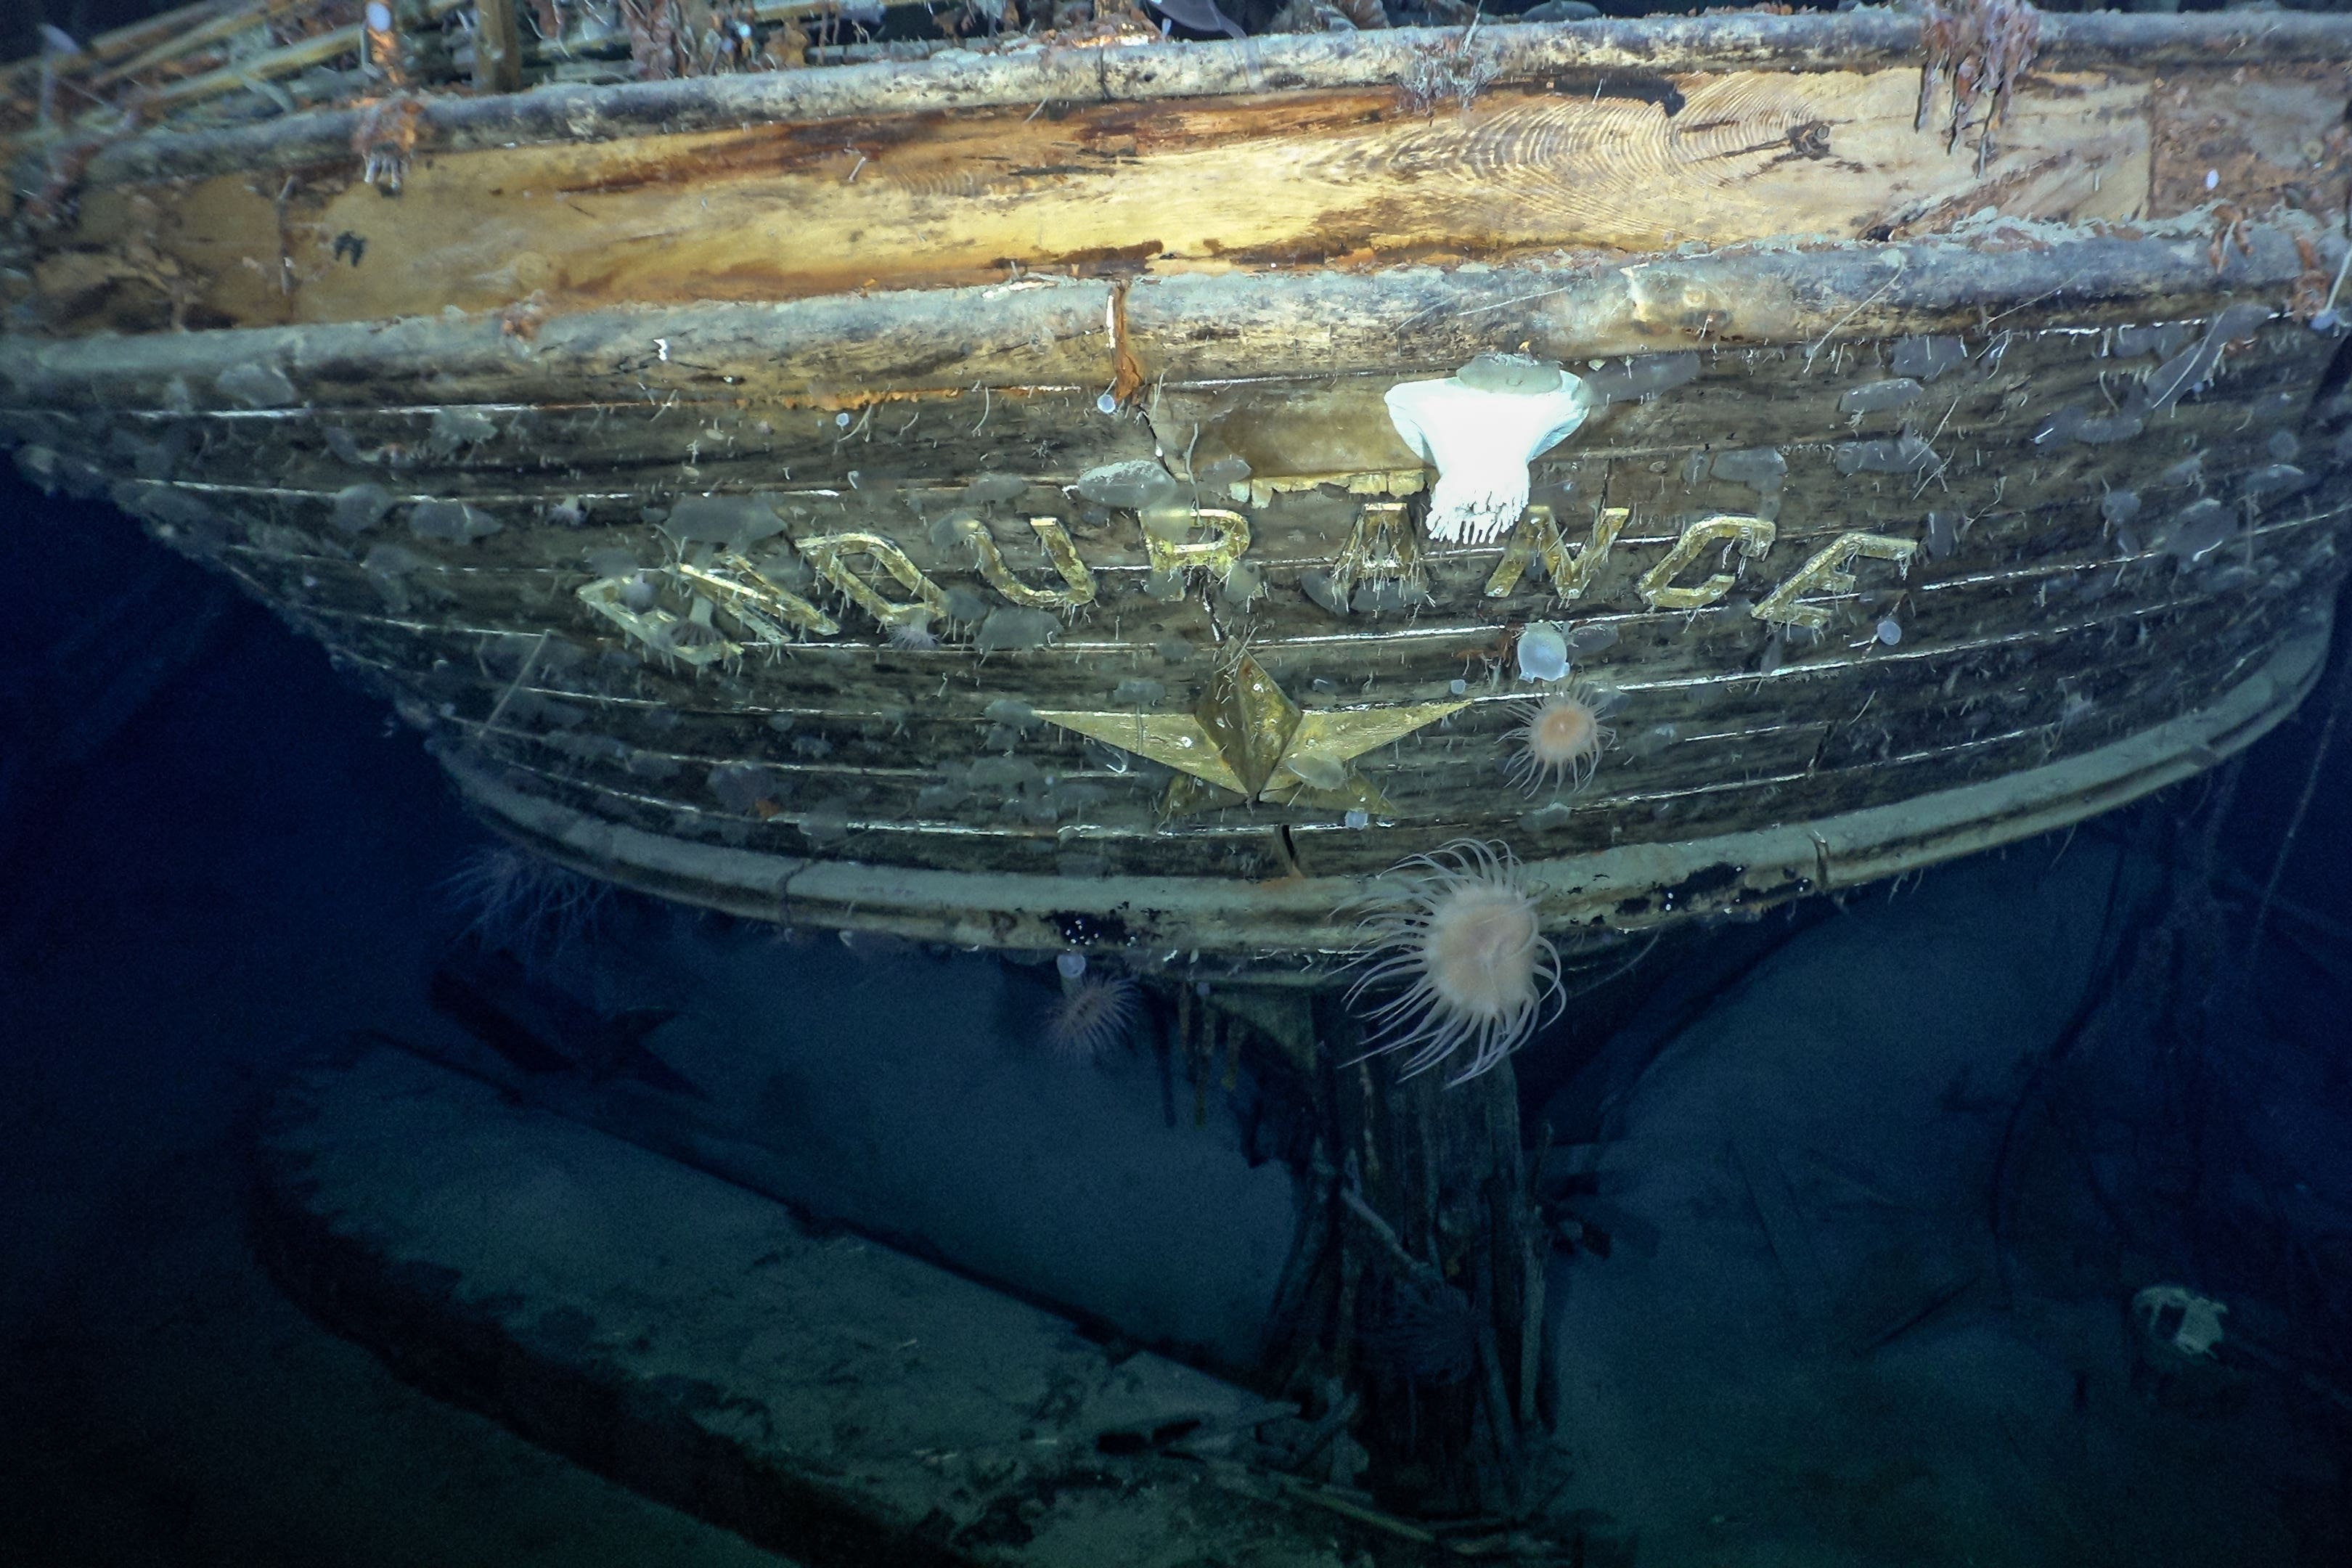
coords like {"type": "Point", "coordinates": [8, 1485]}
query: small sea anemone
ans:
{"type": "Point", "coordinates": [531, 908]}
{"type": "Point", "coordinates": [1560, 738]}
{"type": "Point", "coordinates": [1093, 1013]}
{"type": "Point", "coordinates": [1462, 937]}
{"type": "Point", "coordinates": [912, 631]}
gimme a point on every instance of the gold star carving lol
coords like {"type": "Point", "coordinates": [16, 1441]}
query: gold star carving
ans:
{"type": "Point", "coordinates": [1245, 740]}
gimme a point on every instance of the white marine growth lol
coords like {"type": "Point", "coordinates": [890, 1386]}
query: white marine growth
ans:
{"type": "Point", "coordinates": [1481, 428]}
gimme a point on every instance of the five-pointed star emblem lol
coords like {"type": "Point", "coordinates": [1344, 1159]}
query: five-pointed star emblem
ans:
{"type": "Point", "coordinates": [1245, 740]}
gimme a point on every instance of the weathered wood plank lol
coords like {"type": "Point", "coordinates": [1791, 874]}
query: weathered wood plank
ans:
{"type": "Point", "coordinates": [1127, 840]}
{"type": "Point", "coordinates": [1202, 328]}
{"type": "Point", "coordinates": [1651, 46]}
{"type": "Point", "coordinates": [715, 1351]}
{"type": "Point", "coordinates": [2256, 145]}
{"type": "Point", "coordinates": [1732, 788]}
{"type": "Point", "coordinates": [794, 211]}
{"type": "Point", "coordinates": [1291, 918]}
{"type": "Point", "coordinates": [1055, 333]}
{"type": "Point", "coordinates": [900, 467]}
{"type": "Point", "coordinates": [2091, 679]}
{"type": "Point", "coordinates": [851, 351]}
{"type": "Point", "coordinates": [498, 47]}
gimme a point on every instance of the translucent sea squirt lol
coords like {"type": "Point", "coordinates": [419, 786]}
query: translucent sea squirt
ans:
{"type": "Point", "coordinates": [1481, 428]}
{"type": "Point", "coordinates": [1543, 652]}
{"type": "Point", "coordinates": [1459, 935]}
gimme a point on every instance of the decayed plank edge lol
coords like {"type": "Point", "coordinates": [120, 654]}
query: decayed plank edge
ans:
{"type": "Point", "coordinates": [1239, 326]}
{"type": "Point", "coordinates": [1149, 73]}
{"type": "Point", "coordinates": [1301, 916]}
{"type": "Point", "coordinates": [1048, 335]}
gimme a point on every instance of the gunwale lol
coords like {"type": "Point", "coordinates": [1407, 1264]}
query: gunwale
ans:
{"type": "Point", "coordinates": [1047, 333]}
{"type": "Point", "coordinates": [1148, 73]}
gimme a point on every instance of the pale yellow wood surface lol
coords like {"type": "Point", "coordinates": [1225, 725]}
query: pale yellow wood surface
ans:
{"type": "Point", "coordinates": [774, 212]}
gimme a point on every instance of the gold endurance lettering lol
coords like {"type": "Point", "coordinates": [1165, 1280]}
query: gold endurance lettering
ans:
{"type": "Point", "coordinates": [1384, 546]}
{"type": "Point", "coordinates": [756, 613]}
{"type": "Point", "coordinates": [739, 591]}
{"type": "Point", "coordinates": [1055, 539]}
{"type": "Point", "coordinates": [1537, 537]}
{"type": "Point", "coordinates": [1826, 573]}
{"type": "Point", "coordinates": [831, 554]}
{"type": "Point", "coordinates": [1228, 539]}
{"type": "Point", "coordinates": [1752, 535]}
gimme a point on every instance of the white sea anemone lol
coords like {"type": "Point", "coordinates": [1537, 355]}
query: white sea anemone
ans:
{"type": "Point", "coordinates": [912, 631]}
{"type": "Point", "coordinates": [516, 901]}
{"type": "Point", "coordinates": [1560, 738]}
{"type": "Point", "coordinates": [1461, 935]}
{"type": "Point", "coordinates": [1094, 1012]}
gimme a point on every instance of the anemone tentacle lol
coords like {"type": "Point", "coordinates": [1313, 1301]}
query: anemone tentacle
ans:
{"type": "Point", "coordinates": [1463, 938]}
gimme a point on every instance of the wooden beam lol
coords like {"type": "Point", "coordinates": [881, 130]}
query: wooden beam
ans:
{"type": "Point", "coordinates": [498, 47]}
{"type": "Point", "coordinates": [774, 212]}
{"type": "Point", "coordinates": [291, 60]}
{"type": "Point", "coordinates": [1220, 914]}
{"type": "Point", "coordinates": [219, 29]}
{"type": "Point", "coordinates": [120, 42]}
{"type": "Point", "coordinates": [1593, 53]}
{"type": "Point", "coordinates": [1049, 332]}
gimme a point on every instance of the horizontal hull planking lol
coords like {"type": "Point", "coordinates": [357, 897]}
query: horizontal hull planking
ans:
{"type": "Point", "coordinates": [748, 514]}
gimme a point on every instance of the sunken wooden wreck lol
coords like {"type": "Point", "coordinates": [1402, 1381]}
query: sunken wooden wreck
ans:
{"type": "Point", "coordinates": [959, 497]}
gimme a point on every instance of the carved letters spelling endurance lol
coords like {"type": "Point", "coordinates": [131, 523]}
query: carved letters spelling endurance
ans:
{"type": "Point", "coordinates": [1751, 536]}
{"type": "Point", "coordinates": [872, 572]}
{"type": "Point", "coordinates": [1537, 537]}
{"type": "Point", "coordinates": [1573, 569]}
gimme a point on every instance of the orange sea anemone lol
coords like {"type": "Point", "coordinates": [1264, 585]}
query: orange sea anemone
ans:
{"type": "Point", "coordinates": [1461, 934]}
{"type": "Point", "coordinates": [1560, 738]}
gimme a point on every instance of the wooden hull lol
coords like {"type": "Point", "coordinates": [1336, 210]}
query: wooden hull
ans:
{"type": "Point", "coordinates": [1925, 623]}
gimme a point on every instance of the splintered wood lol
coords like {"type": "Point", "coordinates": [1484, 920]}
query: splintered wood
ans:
{"type": "Point", "coordinates": [787, 211]}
